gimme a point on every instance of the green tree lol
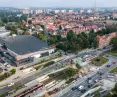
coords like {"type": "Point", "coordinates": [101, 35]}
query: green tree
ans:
{"type": "Point", "coordinates": [60, 53]}
{"type": "Point", "coordinates": [43, 27]}
{"type": "Point", "coordinates": [30, 22]}
{"type": "Point", "coordinates": [13, 71]}
{"type": "Point", "coordinates": [95, 43]}
{"type": "Point", "coordinates": [12, 32]}
{"type": "Point", "coordinates": [42, 37]}
{"type": "Point", "coordinates": [114, 43]}
{"type": "Point", "coordinates": [78, 66]}
{"type": "Point", "coordinates": [4, 19]}
{"type": "Point", "coordinates": [70, 35]}
{"type": "Point", "coordinates": [60, 28]}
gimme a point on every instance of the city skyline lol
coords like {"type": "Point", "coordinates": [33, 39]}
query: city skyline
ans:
{"type": "Point", "coordinates": [57, 3]}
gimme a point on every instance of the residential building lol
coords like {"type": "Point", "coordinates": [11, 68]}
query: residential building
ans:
{"type": "Point", "coordinates": [105, 40]}
{"type": "Point", "coordinates": [26, 11]}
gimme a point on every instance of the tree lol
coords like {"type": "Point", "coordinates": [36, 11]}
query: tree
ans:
{"type": "Point", "coordinates": [70, 35]}
{"type": "Point", "coordinates": [13, 71]}
{"type": "Point", "coordinates": [74, 47]}
{"type": "Point", "coordinates": [114, 43]}
{"type": "Point", "coordinates": [12, 32]}
{"type": "Point", "coordinates": [60, 28]}
{"type": "Point", "coordinates": [95, 43]}
{"type": "Point", "coordinates": [4, 19]}
{"type": "Point", "coordinates": [1, 23]}
{"type": "Point", "coordinates": [43, 27]}
{"type": "Point", "coordinates": [30, 22]}
{"type": "Point", "coordinates": [60, 53]}
{"type": "Point", "coordinates": [78, 66]}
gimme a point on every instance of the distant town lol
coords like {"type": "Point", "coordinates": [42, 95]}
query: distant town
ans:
{"type": "Point", "coordinates": [58, 52]}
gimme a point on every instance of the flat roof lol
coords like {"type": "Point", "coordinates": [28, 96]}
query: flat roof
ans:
{"type": "Point", "coordinates": [23, 44]}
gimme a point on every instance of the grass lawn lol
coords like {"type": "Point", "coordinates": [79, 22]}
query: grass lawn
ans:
{"type": "Point", "coordinates": [113, 53]}
{"type": "Point", "coordinates": [64, 74]}
{"type": "Point", "coordinates": [48, 64]}
{"type": "Point", "coordinates": [99, 61]}
{"type": "Point", "coordinates": [37, 67]}
{"type": "Point", "coordinates": [114, 70]}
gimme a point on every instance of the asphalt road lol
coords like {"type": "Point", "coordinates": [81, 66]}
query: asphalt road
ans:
{"type": "Point", "coordinates": [29, 78]}
{"type": "Point", "coordinates": [105, 70]}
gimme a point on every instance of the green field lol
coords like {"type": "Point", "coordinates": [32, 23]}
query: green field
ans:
{"type": "Point", "coordinates": [99, 61]}
{"type": "Point", "coordinates": [114, 70]}
{"type": "Point", "coordinates": [113, 53]}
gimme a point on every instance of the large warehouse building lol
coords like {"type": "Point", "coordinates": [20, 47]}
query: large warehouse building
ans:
{"type": "Point", "coordinates": [23, 49]}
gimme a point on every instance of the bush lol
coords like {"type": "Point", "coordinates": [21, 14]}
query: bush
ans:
{"type": "Point", "coordinates": [64, 74]}
{"type": "Point", "coordinates": [70, 80]}
{"type": "Point", "coordinates": [4, 76]}
{"type": "Point", "coordinates": [13, 71]}
{"type": "Point", "coordinates": [38, 67]}
{"type": "Point", "coordinates": [48, 64]}
{"type": "Point", "coordinates": [78, 66]}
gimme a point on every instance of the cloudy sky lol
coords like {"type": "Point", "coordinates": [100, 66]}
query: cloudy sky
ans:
{"type": "Point", "coordinates": [57, 3]}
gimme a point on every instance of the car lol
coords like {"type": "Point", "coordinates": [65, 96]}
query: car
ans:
{"type": "Point", "coordinates": [1, 70]}
{"type": "Point", "coordinates": [17, 77]}
{"type": "Point", "coordinates": [80, 87]}
{"type": "Point", "coordinates": [100, 77]}
{"type": "Point", "coordinates": [74, 88]}
{"type": "Point", "coordinates": [108, 65]}
{"type": "Point", "coordinates": [83, 90]}
{"type": "Point", "coordinates": [96, 80]}
{"type": "Point", "coordinates": [90, 85]}
{"type": "Point", "coordinates": [6, 69]}
{"type": "Point", "coordinates": [90, 81]}
{"type": "Point", "coordinates": [114, 62]}
{"type": "Point", "coordinates": [2, 61]}
{"type": "Point", "coordinates": [21, 68]}
{"type": "Point", "coordinates": [100, 73]}
{"type": "Point", "coordinates": [107, 56]}
{"type": "Point", "coordinates": [110, 76]}
{"type": "Point", "coordinates": [89, 78]}
{"type": "Point", "coordinates": [11, 84]}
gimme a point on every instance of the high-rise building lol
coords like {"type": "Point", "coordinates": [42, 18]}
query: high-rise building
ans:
{"type": "Point", "coordinates": [70, 11]}
{"type": "Point", "coordinates": [57, 11]}
{"type": "Point", "coordinates": [89, 11]}
{"type": "Point", "coordinates": [26, 11]}
{"type": "Point", "coordinates": [63, 11]}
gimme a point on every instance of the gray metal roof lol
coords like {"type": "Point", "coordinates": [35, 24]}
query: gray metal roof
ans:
{"type": "Point", "coordinates": [23, 44]}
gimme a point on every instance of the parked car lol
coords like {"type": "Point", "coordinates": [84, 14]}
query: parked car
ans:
{"type": "Point", "coordinates": [11, 84]}
{"type": "Point", "coordinates": [114, 62]}
{"type": "Point", "coordinates": [108, 65]}
{"type": "Point", "coordinates": [80, 87]}
{"type": "Point", "coordinates": [74, 88]}
{"type": "Point", "coordinates": [110, 76]}
{"type": "Point", "coordinates": [90, 85]}
{"type": "Point", "coordinates": [1, 70]}
{"type": "Point", "coordinates": [96, 80]}
{"type": "Point", "coordinates": [6, 69]}
{"type": "Point", "coordinates": [21, 68]}
{"type": "Point", "coordinates": [2, 61]}
{"type": "Point", "coordinates": [83, 90]}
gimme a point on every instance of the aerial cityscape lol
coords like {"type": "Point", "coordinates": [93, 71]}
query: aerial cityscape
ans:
{"type": "Point", "coordinates": [58, 48]}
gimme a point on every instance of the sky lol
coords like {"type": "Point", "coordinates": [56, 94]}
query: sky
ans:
{"type": "Point", "coordinates": [57, 3]}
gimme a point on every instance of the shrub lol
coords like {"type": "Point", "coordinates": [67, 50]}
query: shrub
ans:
{"type": "Point", "coordinates": [13, 71]}
{"type": "Point", "coordinates": [48, 64]}
{"type": "Point", "coordinates": [37, 67]}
